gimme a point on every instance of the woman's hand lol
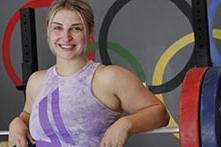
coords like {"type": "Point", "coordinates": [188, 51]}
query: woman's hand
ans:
{"type": "Point", "coordinates": [18, 133]}
{"type": "Point", "coordinates": [117, 134]}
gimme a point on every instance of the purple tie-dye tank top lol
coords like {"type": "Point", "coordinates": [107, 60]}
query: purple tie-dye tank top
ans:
{"type": "Point", "coordinates": [67, 114]}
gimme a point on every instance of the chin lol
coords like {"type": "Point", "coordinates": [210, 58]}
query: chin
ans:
{"type": "Point", "coordinates": [69, 57]}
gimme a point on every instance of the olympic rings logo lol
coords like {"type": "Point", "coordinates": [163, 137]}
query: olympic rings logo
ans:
{"type": "Point", "coordinates": [157, 86]}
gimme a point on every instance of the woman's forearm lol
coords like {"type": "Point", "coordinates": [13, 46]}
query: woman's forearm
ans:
{"type": "Point", "coordinates": [146, 119]}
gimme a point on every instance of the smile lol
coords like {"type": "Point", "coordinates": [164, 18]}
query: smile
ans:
{"type": "Point", "coordinates": [67, 46]}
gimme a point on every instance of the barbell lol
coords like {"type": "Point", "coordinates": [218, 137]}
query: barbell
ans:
{"type": "Point", "coordinates": [155, 131]}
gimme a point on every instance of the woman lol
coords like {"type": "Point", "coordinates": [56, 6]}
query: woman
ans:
{"type": "Point", "coordinates": [79, 102]}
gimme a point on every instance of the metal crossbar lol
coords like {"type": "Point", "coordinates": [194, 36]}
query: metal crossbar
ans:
{"type": "Point", "coordinates": [155, 131]}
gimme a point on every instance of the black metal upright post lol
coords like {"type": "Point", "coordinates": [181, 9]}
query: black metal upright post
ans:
{"type": "Point", "coordinates": [29, 45]}
{"type": "Point", "coordinates": [201, 33]}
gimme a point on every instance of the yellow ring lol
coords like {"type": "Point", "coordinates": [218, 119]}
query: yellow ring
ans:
{"type": "Point", "coordinates": [166, 57]}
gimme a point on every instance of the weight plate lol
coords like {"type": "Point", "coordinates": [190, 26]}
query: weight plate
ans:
{"type": "Point", "coordinates": [189, 108]}
{"type": "Point", "coordinates": [210, 123]}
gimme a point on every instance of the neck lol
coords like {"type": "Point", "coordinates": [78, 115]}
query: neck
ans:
{"type": "Point", "coordinates": [66, 68]}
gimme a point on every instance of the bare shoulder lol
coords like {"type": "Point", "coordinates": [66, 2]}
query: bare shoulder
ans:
{"type": "Point", "coordinates": [113, 73]}
{"type": "Point", "coordinates": [114, 78]}
{"type": "Point", "coordinates": [37, 77]}
{"type": "Point", "coordinates": [32, 88]}
{"type": "Point", "coordinates": [105, 82]}
{"type": "Point", "coordinates": [34, 82]}
{"type": "Point", "coordinates": [125, 86]}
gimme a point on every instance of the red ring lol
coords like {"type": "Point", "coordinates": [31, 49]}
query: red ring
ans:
{"type": "Point", "coordinates": [7, 38]}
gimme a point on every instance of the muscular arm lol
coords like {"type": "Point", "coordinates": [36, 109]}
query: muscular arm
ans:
{"type": "Point", "coordinates": [125, 92]}
{"type": "Point", "coordinates": [18, 128]}
{"type": "Point", "coordinates": [146, 111]}
{"type": "Point", "coordinates": [32, 89]}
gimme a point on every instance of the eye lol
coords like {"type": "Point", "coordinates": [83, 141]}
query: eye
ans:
{"type": "Point", "coordinates": [77, 29]}
{"type": "Point", "coordinates": [57, 28]}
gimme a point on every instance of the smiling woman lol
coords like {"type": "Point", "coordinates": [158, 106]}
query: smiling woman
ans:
{"type": "Point", "coordinates": [66, 35]}
{"type": "Point", "coordinates": [80, 102]}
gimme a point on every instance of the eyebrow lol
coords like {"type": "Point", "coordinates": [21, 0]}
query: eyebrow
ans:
{"type": "Point", "coordinates": [75, 24]}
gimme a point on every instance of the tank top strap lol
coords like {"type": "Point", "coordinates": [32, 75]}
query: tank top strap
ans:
{"type": "Point", "coordinates": [46, 82]}
{"type": "Point", "coordinates": [92, 69]}
{"type": "Point", "coordinates": [50, 76]}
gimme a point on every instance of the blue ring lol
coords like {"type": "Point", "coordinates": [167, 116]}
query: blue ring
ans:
{"type": "Point", "coordinates": [212, 9]}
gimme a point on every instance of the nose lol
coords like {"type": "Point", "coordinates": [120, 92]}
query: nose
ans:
{"type": "Point", "coordinates": [67, 36]}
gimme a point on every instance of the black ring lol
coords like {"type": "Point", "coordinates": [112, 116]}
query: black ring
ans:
{"type": "Point", "coordinates": [114, 9]}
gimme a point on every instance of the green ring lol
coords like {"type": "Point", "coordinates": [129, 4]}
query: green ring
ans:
{"type": "Point", "coordinates": [137, 68]}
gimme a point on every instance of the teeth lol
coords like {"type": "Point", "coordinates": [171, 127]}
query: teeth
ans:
{"type": "Point", "coordinates": [66, 46]}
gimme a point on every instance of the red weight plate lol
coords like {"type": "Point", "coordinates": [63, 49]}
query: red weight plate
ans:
{"type": "Point", "coordinates": [189, 108]}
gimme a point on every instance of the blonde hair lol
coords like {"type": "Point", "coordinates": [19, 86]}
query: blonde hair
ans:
{"type": "Point", "coordinates": [81, 6]}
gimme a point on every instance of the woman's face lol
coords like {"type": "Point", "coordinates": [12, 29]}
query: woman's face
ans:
{"type": "Point", "coordinates": [67, 35]}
